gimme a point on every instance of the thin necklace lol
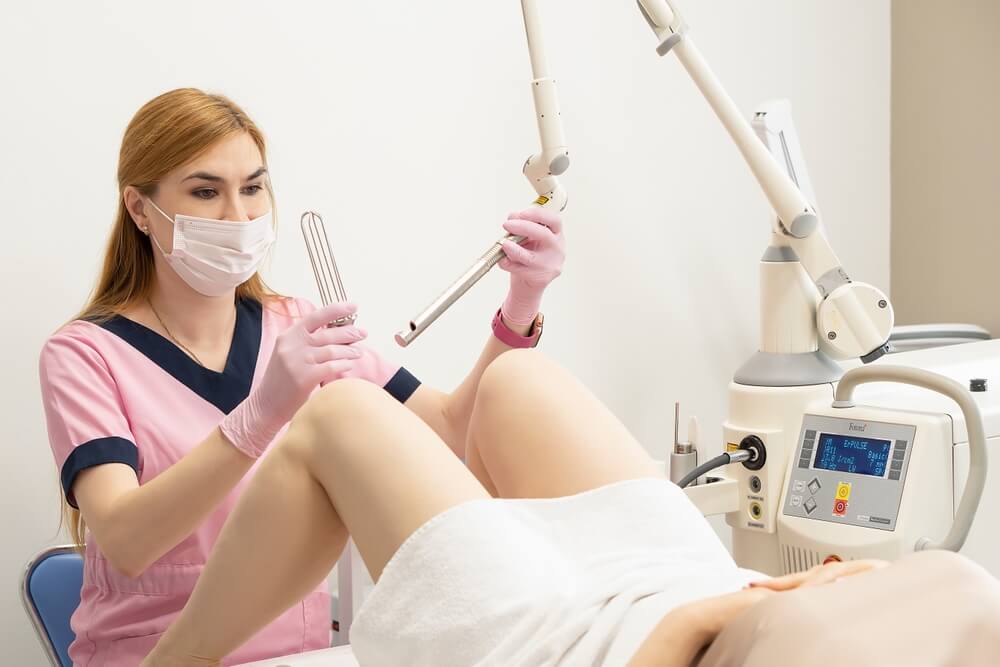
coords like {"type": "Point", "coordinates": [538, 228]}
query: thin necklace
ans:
{"type": "Point", "coordinates": [173, 337]}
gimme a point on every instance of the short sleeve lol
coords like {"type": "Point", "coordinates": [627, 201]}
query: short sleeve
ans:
{"type": "Point", "coordinates": [84, 412]}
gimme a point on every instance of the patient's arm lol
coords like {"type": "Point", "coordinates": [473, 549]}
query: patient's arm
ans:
{"type": "Point", "coordinates": [682, 633]}
{"type": "Point", "coordinates": [820, 574]}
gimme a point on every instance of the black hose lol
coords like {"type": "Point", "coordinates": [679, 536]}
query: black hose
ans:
{"type": "Point", "coordinates": [719, 461]}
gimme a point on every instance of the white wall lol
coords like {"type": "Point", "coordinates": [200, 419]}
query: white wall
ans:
{"type": "Point", "coordinates": [406, 124]}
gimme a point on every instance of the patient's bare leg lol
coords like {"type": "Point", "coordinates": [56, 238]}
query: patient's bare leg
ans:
{"type": "Point", "coordinates": [536, 431]}
{"type": "Point", "coordinates": [354, 460]}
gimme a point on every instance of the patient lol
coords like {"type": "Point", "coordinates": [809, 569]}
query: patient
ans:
{"type": "Point", "coordinates": [558, 543]}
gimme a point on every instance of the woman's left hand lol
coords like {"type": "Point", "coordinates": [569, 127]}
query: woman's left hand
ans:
{"type": "Point", "coordinates": [371, 366]}
{"type": "Point", "coordinates": [711, 615]}
{"type": "Point", "coordinates": [821, 574]}
{"type": "Point", "coordinates": [532, 264]}
{"type": "Point", "coordinates": [687, 629]}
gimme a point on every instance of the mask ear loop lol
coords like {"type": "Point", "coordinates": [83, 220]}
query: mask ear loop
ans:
{"type": "Point", "coordinates": [160, 211]}
{"type": "Point", "coordinates": [150, 234]}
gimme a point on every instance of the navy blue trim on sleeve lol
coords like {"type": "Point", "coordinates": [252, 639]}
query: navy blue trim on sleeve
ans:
{"type": "Point", "coordinates": [402, 385]}
{"type": "Point", "coordinates": [94, 453]}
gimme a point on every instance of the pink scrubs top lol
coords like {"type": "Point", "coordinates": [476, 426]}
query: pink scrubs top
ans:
{"type": "Point", "coordinates": [118, 392]}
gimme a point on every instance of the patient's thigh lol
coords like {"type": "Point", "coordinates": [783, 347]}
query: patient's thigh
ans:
{"type": "Point", "coordinates": [538, 432]}
{"type": "Point", "coordinates": [386, 472]}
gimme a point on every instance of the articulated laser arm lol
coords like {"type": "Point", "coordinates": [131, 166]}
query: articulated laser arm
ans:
{"type": "Point", "coordinates": [854, 319]}
{"type": "Point", "coordinates": [772, 121]}
{"type": "Point", "coordinates": [541, 170]}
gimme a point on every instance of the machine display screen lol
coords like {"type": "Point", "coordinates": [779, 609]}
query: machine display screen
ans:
{"type": "Point", "coordinates": [845, 453]}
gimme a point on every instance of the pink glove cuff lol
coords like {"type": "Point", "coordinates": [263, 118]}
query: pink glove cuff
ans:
{"type": "Point", "coordinates": [372, 366]}
{"type": "Point", "coordinates": [521, 305]}
{"type": "Point", "coordinates": [247, 430]}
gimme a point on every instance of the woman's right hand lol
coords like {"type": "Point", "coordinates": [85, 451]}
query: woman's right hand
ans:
{"type": "Point", "coordinates": [305, 356]}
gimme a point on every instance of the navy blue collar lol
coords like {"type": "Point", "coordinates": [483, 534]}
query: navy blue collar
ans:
{"type": "Point", "coordinates": [224, 390]}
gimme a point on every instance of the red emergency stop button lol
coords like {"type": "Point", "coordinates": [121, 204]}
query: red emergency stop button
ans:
{"type": "Point", "coordinates": [839, 507]}
{"type": "Point", "coordinates": [831, 559]}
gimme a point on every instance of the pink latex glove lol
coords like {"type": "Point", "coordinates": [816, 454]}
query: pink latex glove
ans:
{"type": "Point", "coordinates": [305, 356]}
{"type": "Point", "coordinates": [532, 264]}
{"type": "Point", "coordinates": [371, 366]}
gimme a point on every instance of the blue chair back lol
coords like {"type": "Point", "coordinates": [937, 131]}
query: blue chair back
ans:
{"type": "Point", "coordinates": [50, 591]}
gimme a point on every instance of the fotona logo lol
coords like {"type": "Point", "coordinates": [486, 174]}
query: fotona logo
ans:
{"type": "Point", "coordinates": [859, 428]}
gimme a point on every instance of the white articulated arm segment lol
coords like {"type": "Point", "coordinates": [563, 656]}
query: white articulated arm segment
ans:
{"type": "Point", "coordinates": [854, 319]}
{"type": "Point", "coordinates": [542, 168]}
{"type": "Point", "coordinates": [796, 214]}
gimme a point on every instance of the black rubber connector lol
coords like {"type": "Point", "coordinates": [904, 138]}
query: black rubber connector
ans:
{"type": "Point", "coordinates": [755, 446]}
{"type": "Point", "coordinates": [876, 354]}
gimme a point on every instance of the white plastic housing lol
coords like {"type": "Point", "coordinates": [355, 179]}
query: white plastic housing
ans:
{"type": "Point", "coordinates": [854, 320]}
{"type": "Point", "coordinates": [788, 301]}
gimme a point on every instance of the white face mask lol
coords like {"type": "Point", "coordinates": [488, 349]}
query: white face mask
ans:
{"type": "Point", "coordinates": [215, 256]}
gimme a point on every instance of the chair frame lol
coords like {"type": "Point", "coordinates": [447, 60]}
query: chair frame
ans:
{"type": "Point", "coordinates": [29, 605]}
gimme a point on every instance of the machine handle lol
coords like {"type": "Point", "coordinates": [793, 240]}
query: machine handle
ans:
{"type": "Point", "coordinates": [976, 480]}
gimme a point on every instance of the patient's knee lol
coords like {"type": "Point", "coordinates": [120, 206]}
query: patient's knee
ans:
{"type": "Point", "coordinates": [510, 371]}
{"type": "Point", "coordinates": [332, 413]}
{"type": "Point", "coordinates": [340, 401]}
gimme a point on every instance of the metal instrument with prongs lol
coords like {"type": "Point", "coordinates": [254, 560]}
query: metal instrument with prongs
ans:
{"type": "Point", "coordinates": [324, 265]}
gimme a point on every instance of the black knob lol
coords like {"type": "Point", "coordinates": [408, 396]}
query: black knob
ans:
{"type": "Point", "coordinates": [755, 446]}
{"type": "Point", "coordinates": [977, 384]}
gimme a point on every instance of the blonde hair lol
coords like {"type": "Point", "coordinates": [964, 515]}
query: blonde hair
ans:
{"type": "Point", "coordinates": [167, 132]}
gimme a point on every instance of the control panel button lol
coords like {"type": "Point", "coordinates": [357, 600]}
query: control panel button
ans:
{"type": "Point", "coordinates": [901, 445]}
{"type": "Point", "coordinates": [798, 486]}
{"type": "Point", "coordinates": [810, 435]}
{"type": "Point", "coordinates": [814, 486]}
{"type": "Point", "coordinates": [896, 465]}
{"type": "Point", "coordinates": [810, 506]}
{"type": "Point", "coordinates": [894, 474]}
{"type": "Point", "coordinates": [796, 501]}
{"type": "Point", "coordinates": [804, 463]}
{"type": "Point", "coordinates": [898, 455]}
{"type": "Point", "coordinates": [839, 507]}
{"type": "Point", "coordinates": [844, 490]}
